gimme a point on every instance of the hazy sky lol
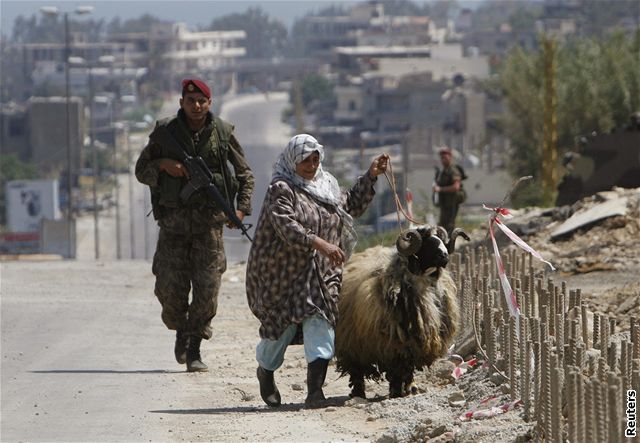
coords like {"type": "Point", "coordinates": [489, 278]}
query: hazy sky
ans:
{"type": "Point", "coordinates": [191, 12]}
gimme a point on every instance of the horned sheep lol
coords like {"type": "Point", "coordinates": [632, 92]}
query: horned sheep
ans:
{"type": "Point", "coordinates": [398, 310]}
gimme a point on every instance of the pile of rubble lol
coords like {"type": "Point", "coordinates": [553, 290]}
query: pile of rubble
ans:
{"type": "Point", "coordinates": [597, 233]}
{"type": "Point", "coordinates": [594, 244]}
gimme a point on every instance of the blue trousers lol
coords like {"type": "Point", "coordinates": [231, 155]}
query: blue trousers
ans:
{"type": "Point", "coordinates": [319, 339]}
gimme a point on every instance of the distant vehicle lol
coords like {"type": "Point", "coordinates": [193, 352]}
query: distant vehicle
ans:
{"type": "Point", "coordinates": [604, 161]}
{"type": "Point", "coordinates": [87, 206]}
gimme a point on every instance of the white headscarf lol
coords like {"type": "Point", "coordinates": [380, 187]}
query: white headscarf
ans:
{"type": "Point", "coordinates": [323, 187]}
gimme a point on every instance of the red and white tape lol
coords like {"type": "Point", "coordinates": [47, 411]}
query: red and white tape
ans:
{"type": "Point", "coordinates": [509, 295]}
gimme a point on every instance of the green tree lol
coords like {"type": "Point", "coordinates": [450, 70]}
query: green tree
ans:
{"type": "Point", "coordinates": [519, 14]}
{"type": "Point", "coordinates": [333, 10]}
{"type": "Point", "coordinates": [266, 37]}
{"type": "Point", "coordinates": [598, 88]}
{"type": "Point", "coordinates": [596, 17]}
{"type": "Point", "coordinates": [140, 24]}
{"type": "Point", "coordinates": [50, 29]}
{"type": "Point", "coordinates": [313, 87]}
{"type": "Point", "coordinates": [12, 168]}
{"type": "Point", "coordinates": [401, 7]}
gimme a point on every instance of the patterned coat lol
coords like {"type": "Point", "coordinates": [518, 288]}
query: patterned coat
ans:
{"type": "Point", "coordinates": [287, 280]}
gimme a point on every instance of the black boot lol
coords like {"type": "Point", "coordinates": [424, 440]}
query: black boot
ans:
{"type": "Point", "coordinates": [180, 348]}
{"type": "Point", "coordinates": [268, 389]}
{"type": "Point", "coordinates": [316, 373]}
{"type": "Point", "coordinates": [194, 361]}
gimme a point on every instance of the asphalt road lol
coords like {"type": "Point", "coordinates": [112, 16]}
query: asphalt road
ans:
{"type": "Point", "coordinates": [263, 136]}
{"type": "Point", "coordinates": [86, 358]}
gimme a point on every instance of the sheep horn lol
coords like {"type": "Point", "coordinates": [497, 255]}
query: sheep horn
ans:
{"type": "Point", "coordinates": [408, 243]}
{"type": "Point", "coordinates": [442, 233]}
{"type": "Point", "coordinates": [451, 246]}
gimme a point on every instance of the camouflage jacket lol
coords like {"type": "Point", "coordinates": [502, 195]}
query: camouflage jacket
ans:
{"type": "Point", "coordinates": [199, 214]}
{"type": "Point", "coordinates": [447, 177]}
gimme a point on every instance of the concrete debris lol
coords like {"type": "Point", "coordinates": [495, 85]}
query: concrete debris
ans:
{"type": "Point", "coordinates": [590, 216]}
{"type": "Point", "coordinates": [597, 233]}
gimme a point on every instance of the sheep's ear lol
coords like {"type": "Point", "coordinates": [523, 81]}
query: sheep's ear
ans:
{"type": "Point", "coordinates": [424, 230]}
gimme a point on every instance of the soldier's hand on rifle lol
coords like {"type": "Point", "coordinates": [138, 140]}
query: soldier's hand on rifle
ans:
{"type": "Point", "coordinates": [240, 216]}
{"type": "Point", "coordinates": [174, 168]}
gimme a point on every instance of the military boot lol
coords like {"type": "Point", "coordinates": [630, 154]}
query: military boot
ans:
{"type": "Point", "coordinates": [268, 389]}
{"type": "Point", "coordinates": [316, 374]}
{"type": "Point", "coordinates": [180, 348]}
{"type": "Point", "coordinates": [194, 361]}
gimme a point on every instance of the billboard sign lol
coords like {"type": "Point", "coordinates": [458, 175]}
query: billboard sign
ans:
{"type": "Point", "coordinates": [29, 201]}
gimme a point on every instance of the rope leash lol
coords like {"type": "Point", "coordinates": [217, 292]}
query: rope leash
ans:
{"type": "Point", "coordinates": [399, 208]}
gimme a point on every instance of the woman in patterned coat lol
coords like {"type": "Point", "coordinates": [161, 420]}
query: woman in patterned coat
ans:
{"type": "Point", "coordinates": [294, 272]}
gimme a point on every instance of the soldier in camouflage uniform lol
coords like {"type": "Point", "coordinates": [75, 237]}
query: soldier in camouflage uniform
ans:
{"type": "Point", "coordinates": [190, 252]}
{"type": "Point", "coordinates": [448, 185]}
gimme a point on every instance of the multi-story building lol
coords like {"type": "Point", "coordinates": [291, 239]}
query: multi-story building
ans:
{"type": "Point", "coordinates": [176, 52]}
{"type": "Point", "coordinates": [320, 34]}
{"type": "Point", "coordinates": [168, 50]}
{"type": "Point", "coordinates": [47, 129]}
{"type": "Point", "coordinates": [14, 133]}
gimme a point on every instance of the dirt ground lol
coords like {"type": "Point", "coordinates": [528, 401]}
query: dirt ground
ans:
{"type": "Point", "coordinates": [85, 357]}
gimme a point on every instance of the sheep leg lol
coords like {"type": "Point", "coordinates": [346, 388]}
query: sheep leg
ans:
{"type": "Point", "coordinates": [395, 384]}
{"type": "Point", "coordinates": [409, 387]}
{"type": "Point", "coordinates": [356, 382]}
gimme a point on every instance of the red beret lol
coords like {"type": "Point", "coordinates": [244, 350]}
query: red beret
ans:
{"type": "Point", "coordinates": [193, 85]}
{"type": "Point", "coordinates": [444, 150]}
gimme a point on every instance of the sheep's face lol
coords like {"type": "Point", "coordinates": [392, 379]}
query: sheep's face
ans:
{"type": "Point", "coordinates": [425, 251]}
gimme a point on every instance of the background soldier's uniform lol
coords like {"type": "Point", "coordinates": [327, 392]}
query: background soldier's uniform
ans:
{"type": "Point", "coordinates": [190, 251]}
{"type": "Point", "coordinates": [448, 200]}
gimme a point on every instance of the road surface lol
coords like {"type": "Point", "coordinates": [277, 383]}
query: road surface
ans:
{"type": "Point", "coordinates": [85, 357]}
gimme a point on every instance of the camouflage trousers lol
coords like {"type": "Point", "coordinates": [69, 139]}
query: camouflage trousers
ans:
{"type": "Point", "coordinates": [189, 262]}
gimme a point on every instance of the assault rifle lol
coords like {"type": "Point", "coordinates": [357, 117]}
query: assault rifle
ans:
{"type": "Point", "coordinates": [200, 177]}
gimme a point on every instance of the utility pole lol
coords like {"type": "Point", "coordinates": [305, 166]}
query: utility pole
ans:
{"type": "Point", "coordinates": [94, 163]}
{"type": "Point", "coordinates": [132, 236]}
{"type": "Point", "coordinates": [298, 107]}
{"type": "Point", "coordinates": [70, 221]}
{"type": "Point", "coordinates": [117, 199]}
{"type": "Point", "coordinates": [53, 11]}
{"type": "Point", "coordinates": [550, 131]}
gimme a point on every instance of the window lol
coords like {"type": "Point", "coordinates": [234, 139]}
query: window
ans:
{"type": "Point", "coordinates": [16, 127]}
